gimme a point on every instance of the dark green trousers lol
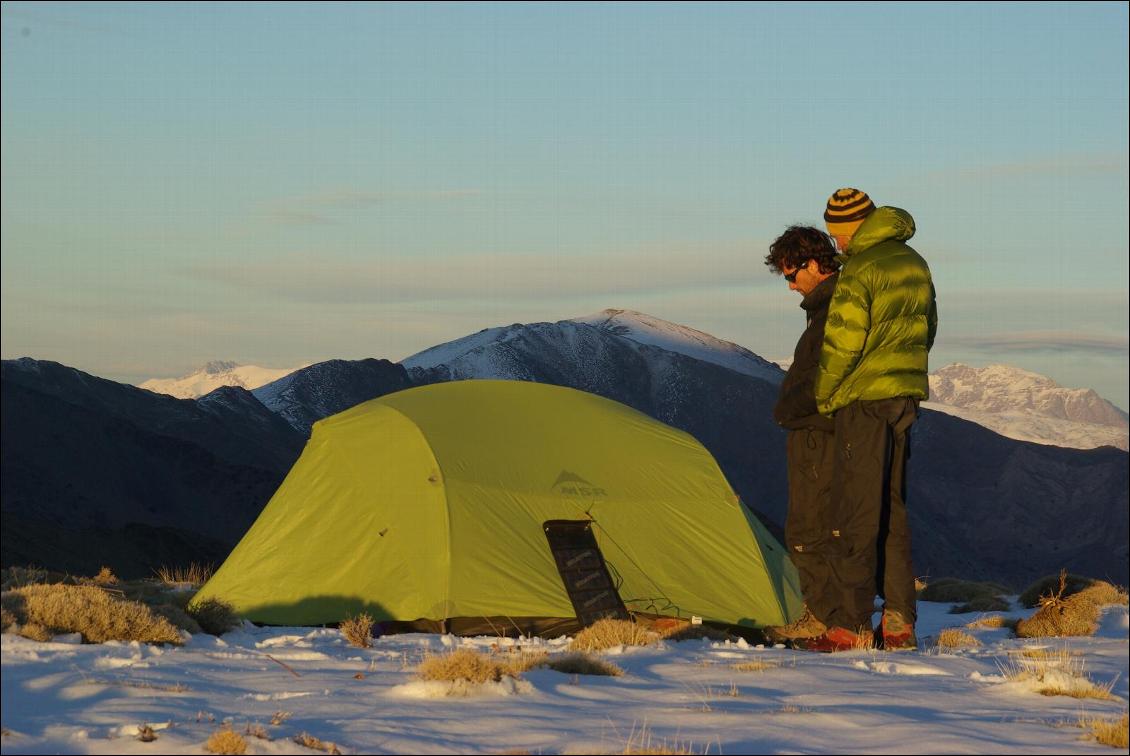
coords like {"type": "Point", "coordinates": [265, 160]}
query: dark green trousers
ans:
{"type": "Point", "coordinates": [808, 525]}
{"type": "Point", "coordinates": [870, 532]}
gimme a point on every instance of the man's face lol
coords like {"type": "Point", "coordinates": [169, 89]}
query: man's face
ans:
{"type": "Point", "coordinates": [802, 279]}
{"type": "Point", "coordinates": [842, 242]}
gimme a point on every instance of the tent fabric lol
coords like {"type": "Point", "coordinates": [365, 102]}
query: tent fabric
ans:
{"type": "Point", "coordinates": [428, 504]}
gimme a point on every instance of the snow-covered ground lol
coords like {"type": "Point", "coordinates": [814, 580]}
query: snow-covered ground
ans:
{"type": "Point", "coordinates": [61, 697]}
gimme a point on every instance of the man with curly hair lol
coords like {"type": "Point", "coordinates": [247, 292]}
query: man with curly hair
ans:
{"type": "Point", "coordinates": [806, 257]}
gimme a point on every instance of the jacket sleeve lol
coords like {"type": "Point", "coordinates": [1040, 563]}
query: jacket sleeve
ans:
{"type": "Point", "coordinates": [932, 319]}
{"type": "Point", "coordinates": [849, 321]}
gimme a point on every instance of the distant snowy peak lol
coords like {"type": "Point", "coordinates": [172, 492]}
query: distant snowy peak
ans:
{"type": "Point", "coordinates": [1027, 406]}
{"type": "Point", "coordinates": [646, 329]}
{"type": "Point", "coordinates": [485, 353]}
{"type": "Point", "coordinates": [465, 348]}
{"type": "Point", "coordinates": [1000, 388]}
{"type": "Point", "coordinates": [213, 375]}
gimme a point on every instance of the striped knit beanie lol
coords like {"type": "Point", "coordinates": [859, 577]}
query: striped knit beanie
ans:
{"type": "Point", "coordinates": [846, 211]}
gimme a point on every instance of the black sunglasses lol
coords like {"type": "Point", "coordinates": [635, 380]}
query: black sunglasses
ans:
{"type": "Point", "coordinates": [791, 277]}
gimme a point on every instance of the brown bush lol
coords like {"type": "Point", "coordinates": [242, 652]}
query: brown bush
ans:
{"type": "Point", "coordinates": [215, 617]}
{"type": "Point", "coordinates": [227, 742]}
{"type": "Point", "coordinates": [1061, 614]}
{"type": "Point", "coordinates": [194, 574]}
{"type": "Point", "coordinates": [86, 609]}
{"type": "Point", "coordinates": [465, 664]}
{"type": "Point", "coordinates": [309, 741]}
{"type": "Point", "coordinates": [358, 630]}
{"type": "Point", "coordinates": [609, 633]}
{"type": "Point", "coordinates": [105, 576]}
{"type": "Point", "coordinates": [1112, 732]}
{"type": "Point", "coordinates": [953, 638]}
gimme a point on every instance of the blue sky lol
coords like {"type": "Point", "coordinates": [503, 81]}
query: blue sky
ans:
{"type": "Point", "coordinates": [280, 184]}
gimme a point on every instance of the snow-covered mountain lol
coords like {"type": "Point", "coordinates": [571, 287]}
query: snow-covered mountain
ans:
{"type": "Point", "coordinates": [215, 374]}
{"type": "Point", "coordinates": [645, 329]}
{"type": "Point", "coordinates": [1027, 406]}
{"type": "Point", "coordinates": [484, 354]}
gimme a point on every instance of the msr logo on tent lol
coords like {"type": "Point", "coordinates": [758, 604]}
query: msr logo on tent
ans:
{"type": "Point", "coordinates": [571, 484]}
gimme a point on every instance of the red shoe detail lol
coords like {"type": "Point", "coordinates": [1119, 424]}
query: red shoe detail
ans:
{"type": "Point", "coordinates": [897, 634]}
{"type": "Point", "coordinates": [837, 639]}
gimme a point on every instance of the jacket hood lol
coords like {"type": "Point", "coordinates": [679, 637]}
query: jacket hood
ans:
{"type": "Point", "coordinates": [885, 224]}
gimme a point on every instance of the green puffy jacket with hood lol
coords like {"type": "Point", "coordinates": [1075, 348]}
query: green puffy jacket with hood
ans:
{"type": "Point", "coordinates": [882, 319]}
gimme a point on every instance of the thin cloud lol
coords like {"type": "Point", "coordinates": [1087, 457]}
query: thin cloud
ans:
{"type": "Point", "coordinates": [28, 21]}
{"type": "Point", "coordinates": [1112, 163]}
{"type": "Point", "coordinates": [320, 207]}
{"type": "Point", "coordinates": [1042, 341]}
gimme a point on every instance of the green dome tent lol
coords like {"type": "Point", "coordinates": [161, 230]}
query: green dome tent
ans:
{"type": "Point", "coordinates": [470, 506]}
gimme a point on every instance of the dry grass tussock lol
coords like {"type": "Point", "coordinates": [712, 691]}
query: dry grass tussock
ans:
{"type": "Point", "coordinates": [358, 630]}
{"type": "Point", "coordinates": [993, 621]}
{"type": "Point", "coordinates": [193, 574]}
{"type": "Point", "coordinates": [643, 742]}
{"type": "Point", "coordinates": [105, 576]}
{"type": "Point", "coordinates": [609, 633]}
{"type": "Point", "coordinates": [256, 731]}
{"type": "Point", "coordinates": [1055, 673]}
{"type": "Point", "coordinates": [309, 741]}
{"type": "Point", "coordinates": [1064, 614]}
{"type": "Point", "coordinates": [952, 637]}
{"type": "Point", "coordinates": [1112, 732]}
{"type": "Point", "coordinates": [466, 664]}
{"type": "Point", "coordinates": [214, 616]}
{"type": "Point", "coordinates": [41, 611]}
{"type": "Point", "coordinates": [226, 741]}
{"type": "Point", "coordinates": [474, 667]}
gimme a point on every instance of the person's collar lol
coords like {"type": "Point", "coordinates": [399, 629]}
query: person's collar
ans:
{"type": "Point", "coordinates": [819, 296]}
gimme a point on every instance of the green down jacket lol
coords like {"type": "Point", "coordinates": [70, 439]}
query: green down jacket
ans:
{"type": "Point", "coordinates": [882, 319]}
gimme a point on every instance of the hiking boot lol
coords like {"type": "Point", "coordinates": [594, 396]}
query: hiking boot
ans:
{"type": "Point", "coordinates": [805, 627]}
{"type": "Point", "coordinates": [837, 639]}
{"type": "Point", "coordinates": [896, 633]}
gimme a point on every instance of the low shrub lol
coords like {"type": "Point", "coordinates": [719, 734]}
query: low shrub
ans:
{"type": "Point", "coordinates": [954, 638]}
{"type": "Point", "coordinates": [309, 741]}
{"type": "Point", "coordinates": [1112, 732]}
{"type": "Point", "coordinates": [178, 616]}
{"type": "Point", "coordinates": [609, 633]}
{"type": "Point", "coordinates": [467, 665]}
{"type": "Point", "coordinates": [105, 577]}
{"type": "Point", "coordinates": [193, 574]}
{"type": "Point", "coordinates": [358, 630]}
{"type": "Point", "coordinates": [215, 617]}
{"type": "Point", "coordinates": [227, 742]}
{"type": "Point", "coordinates": [1062, 614]}
{"type": "Point", "coordinates": [86, 609]}
{"type": "Point", "coordinates": [994, 621]}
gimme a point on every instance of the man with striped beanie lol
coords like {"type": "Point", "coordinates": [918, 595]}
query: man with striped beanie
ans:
{"type": "Point", "coordinates": [872, 374]}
